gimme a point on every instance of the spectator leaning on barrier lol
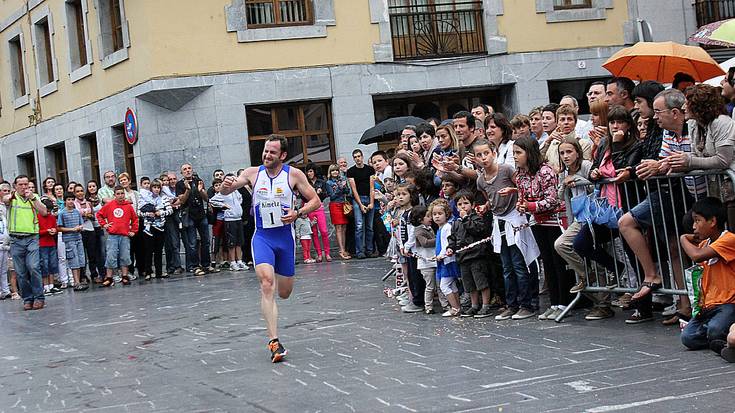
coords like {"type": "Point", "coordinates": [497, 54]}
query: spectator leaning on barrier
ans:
{"type": "Point", "coordinates": [713, 247]}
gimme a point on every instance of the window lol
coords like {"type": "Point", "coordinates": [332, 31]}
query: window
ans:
{"type": "Point", "coordinates": [80, 51]}
{"type": "Point", "coordinates": [572, 4]}
{"type": "Point", "coordinates": [57, 157]}
{"type": "Point", "coordinates": [44, 48]}
{"type": "Point", "coordinates": [577, 88]}
{"type": "Point", "coordinates": [90, 157]}
{"type": "Point", "coordinates": [17, 67]}
{"type": "Point", "coordinates": [306, 126]}
{"type": "Point", "coordinates": [114, 38]}
{"type": "Point", "coordinates": [436, 28]}
{"type": "Point", "coordinates": [263, 13]}
{"type": "Point", "coordinates": [27, 166]}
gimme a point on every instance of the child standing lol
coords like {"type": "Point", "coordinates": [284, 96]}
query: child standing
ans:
{"type": "Point", "coordinates": [47, 248]}
{"type": "Point", "coordinates": [153, 241]}
{"type": "Point", "coordinates": [70, 225]}
{"type": "Point", "coordinates": [302, 227]}
{"type": "Point", "coordinates": [404, 199]}
{"type": "Point", "coordinates": [447, 270]}
{"type": "Point", "coordinates": [511, 236]}
{"type": "Point", "coordinates": [474, 268]}
{"type": "Point", "coordinates": [425, 251]}
{"type": "Point", "coordinates": [118, 218]}
{"type": "Point", "coordinates": [232, 215]}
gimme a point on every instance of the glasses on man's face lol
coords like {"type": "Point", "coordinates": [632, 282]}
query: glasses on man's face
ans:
{"type": "Point", "coordinates": [660, 111]}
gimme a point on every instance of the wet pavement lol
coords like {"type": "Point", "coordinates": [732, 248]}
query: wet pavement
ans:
{"type": "Point", "coordinates": [198, 344]}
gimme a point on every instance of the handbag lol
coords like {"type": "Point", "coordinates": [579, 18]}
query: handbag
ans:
{"type": "Point", "coordinates": [347, 208]}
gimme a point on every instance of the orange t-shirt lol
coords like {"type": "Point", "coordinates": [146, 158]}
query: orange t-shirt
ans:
{"type": "Point", "coordinates": [718, 277]}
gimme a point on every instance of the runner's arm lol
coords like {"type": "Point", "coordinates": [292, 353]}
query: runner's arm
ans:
{"type": "Point", "coordinates": [307, 191]}
{"type": "Point", "coordinates": [230, 184]}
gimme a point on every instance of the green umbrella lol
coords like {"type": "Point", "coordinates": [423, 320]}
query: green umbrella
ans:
{"type": "Point", "coordinates": [719, 33]}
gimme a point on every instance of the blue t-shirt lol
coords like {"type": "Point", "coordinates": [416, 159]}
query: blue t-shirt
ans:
{"type": "Point", "coordinates": [70, 219]}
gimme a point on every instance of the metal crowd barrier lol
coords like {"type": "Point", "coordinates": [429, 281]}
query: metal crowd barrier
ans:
{"type": "Point", "coordinates": [674, 198]}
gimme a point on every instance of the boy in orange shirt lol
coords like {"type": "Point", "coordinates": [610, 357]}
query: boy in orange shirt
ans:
{"type": "Point", "coordinates": [716, 253]}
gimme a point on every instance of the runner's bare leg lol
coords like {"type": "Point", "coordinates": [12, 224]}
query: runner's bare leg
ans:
{"type": "Point", "coordinates": [268, 306]}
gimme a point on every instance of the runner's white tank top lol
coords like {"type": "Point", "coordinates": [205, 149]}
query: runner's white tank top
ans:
{"type": "Point", "coordinates": [270, 197]}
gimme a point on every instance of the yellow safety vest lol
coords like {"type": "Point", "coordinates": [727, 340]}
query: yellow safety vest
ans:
{"type": "Point", "coordinates": [22, 217]}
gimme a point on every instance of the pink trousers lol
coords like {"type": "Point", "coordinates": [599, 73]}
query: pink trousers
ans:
{"type": "Point", "coordinates": [321, 225]}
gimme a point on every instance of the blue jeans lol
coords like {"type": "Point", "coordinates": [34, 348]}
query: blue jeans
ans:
{"type": "Point", "coordinates": [27, 261]}
{"type": "Point", "coordinates": [196, 258]}
{"type": "Point", "coordinates": [363, 227]}
{"type": "Point", "coordinates": [520, 286]}
{"type": "Point", "coordinates": [118, 251]}
{"type": "Point", "coordinates": [49, 261]}
{"type": "Point", "coordinates": [708, 325]}
{"type": "Point", "coordinates": [172, 242]}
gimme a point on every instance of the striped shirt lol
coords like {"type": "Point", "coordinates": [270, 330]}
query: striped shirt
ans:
{"type": "Point", "coordinates": [69, 219]}
{"type": "Point", "coordinates": [697, 185]}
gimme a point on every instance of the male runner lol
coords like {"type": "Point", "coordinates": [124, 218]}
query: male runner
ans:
{"type": "Point", "coordinates": [273, 243]}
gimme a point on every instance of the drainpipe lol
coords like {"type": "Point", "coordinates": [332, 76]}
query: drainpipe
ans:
{"type": "Point", "coordinates": [36, 116]}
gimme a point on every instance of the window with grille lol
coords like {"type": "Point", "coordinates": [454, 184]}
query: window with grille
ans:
{"type": "Point", "coordinates": [307, 127]}
{"type": "Point", "coordinates": [572, 4]}
{"type": "Point", "coordinates": [268, 13]}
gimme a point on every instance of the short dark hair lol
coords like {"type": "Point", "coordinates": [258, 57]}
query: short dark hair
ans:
{"type": "Point", "coordinates": [280, 139]}
{"type": "Point", "coordinates": [681, 77]}
{"type": "Point", "coordinates": [451, 180]}
{"type": "Point", "coordinates": [481, 142]}
{"type": "Point", "coordinates": [119, 188]}
{"type": "Point", "coordinates": [68, 195]}
{"type": "Point", "coordinates": [417, 215]}
{"type": "Point", "coordinates": [466, 194]}
{"type": "Point", "coordinates": [356, 151]}
{"type": "Point", "coordinates": [217, 170]}
{"type": "Point", "coordinates": [216, 181]}
{"type": "Point", "coordinates": [144, 178]}
{"type": "Point", "coordinates": [467, 116]}
{"type": "Point", "coordinates": [597, 83]}
{"type": "Point", "coordinates": [551, 107]}
{"type": "Point", "coordinates": [647, 90]}
{"type": "Point", "coordinates": [425, 127]}
{"type": "Point", "coordinates": [711, 207]}
{"type": "Point", "coordinates": [21, 176]}
{"type": "Point", "coordinates": [623, 83]}
{"type": "Point", "coordinates": [379, 153]}
{"type": "Point", "coordinates": [483, 106]}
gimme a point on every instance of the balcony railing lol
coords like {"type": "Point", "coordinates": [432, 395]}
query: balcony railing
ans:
{"type": "Point", "coordinates": [709, 11]}
{"type": "Point", "coordinates": [441, 29]}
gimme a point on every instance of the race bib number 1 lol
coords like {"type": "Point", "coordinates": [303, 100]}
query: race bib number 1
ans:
{"type": "Point", "coordinates": [271, 213]}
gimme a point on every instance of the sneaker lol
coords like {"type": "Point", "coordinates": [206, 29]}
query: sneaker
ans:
{"type": "Point", "coordinates": [277, 351]}
{"type": "Point", "coordinates": [485, 311]}
{"type": "Point", "coordinates": [147, 277]}
{"type": "Point", "coordinates": [599, 313]}
{"type": "Point", "coordinates": [728, 353]}
{"type": "Point", "coordinates": [669, 311]}
{"type": "Point", "coordinates": [553, 316]}
{"type": "Point", "coordinates": [545, 315]}
{"type": "Point", "coordinates": [56, 291]}
{"type": "Point", "coordinates": [717, 345]}
{"type": "Point", "coordinates": [199, 272]}
{"type": "Point", "coordinates": [639, 317]}
{"type": "Point", "coordinates": [178, 271]}
{"type": "Point", "coordinates": [411, 308]}
{"type": "Point", "coordinates": [452, 312]}
{"type": "Point", "coordinates": [429, 311]}
{"type": "Point", "coordinates": [623, 301]}
{"type": "Point", "coordinates": [224, 266]}
{"type": "Point", "coordinates": [243, 266]}
{"type": "Point", "coordinates": [117, 278]}
{"type": "Point", "coordinates": [132, 277]}
{"type": "Point", "coordinates": [505, 315]}
{"type": "Point", "coordinates": [579, 287]}
{"type": "Point", "coordinates": [47, 292]}
{"type": "Point", "coordinates": [212, 269]}
{"type": "Point", "coordinates": [83, 287]}
{"type": "Point", "coordinates": [523, 314]}
{"type": "Point", "coordinates": [4, 296]}
{"type": "Point", "coordinates": [470, 312]}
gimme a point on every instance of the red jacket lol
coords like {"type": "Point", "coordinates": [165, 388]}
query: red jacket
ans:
{"type": "Point", "coordinates": [44, 224]}
{"type": "Point", "coordinates": [121, 216]}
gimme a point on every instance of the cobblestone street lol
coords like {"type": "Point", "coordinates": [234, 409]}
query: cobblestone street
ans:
{"type": "Point", "coordinates": [198, 344]}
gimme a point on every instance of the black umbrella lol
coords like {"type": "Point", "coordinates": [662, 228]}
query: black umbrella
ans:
{"type": "Point", "coordinates": [385, 130]}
